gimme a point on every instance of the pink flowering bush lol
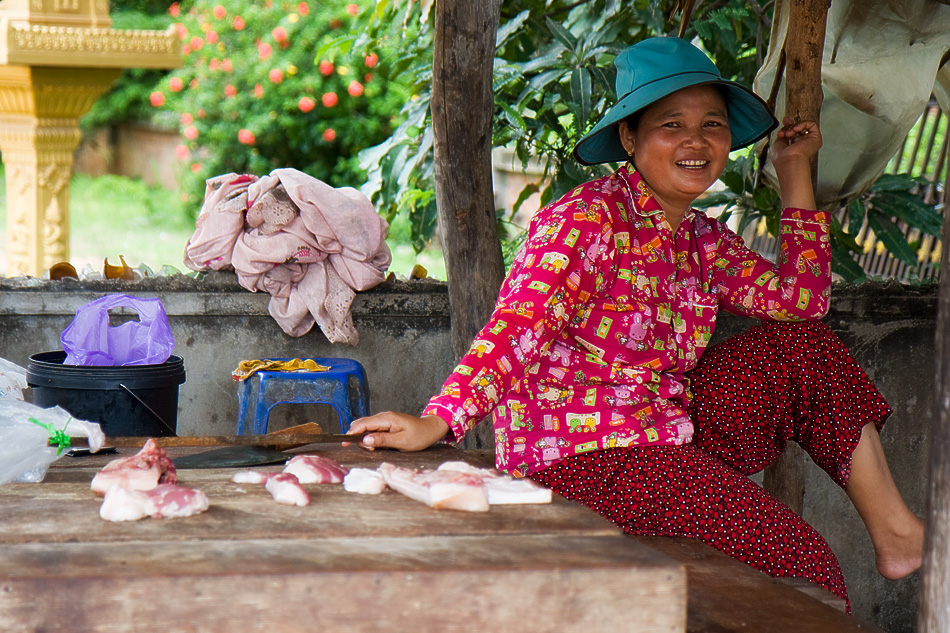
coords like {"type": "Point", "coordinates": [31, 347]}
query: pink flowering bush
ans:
{"type": "Point", "coordinates": [256, 93]}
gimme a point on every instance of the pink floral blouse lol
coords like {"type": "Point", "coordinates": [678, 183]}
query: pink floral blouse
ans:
{"type": "Point", "coordinates": [603, 313]}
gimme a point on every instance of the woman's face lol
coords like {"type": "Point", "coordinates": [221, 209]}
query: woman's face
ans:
{"type": "Point", "coordinates": [680, 145]}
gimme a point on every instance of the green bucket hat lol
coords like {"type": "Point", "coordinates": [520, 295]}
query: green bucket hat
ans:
{"type": "Point", "coordinates": [657, 67]}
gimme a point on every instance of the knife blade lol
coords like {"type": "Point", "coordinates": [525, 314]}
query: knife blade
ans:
{"type": "Point", "coordinates": [277, 440]}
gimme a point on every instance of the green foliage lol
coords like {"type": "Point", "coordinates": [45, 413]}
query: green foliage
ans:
{"type": "Point", "coordinates": [891, 208]}
{"type": "Point", "coordinates": [255, 93]}
{"type": "Point", "coordinates": [553, 79]}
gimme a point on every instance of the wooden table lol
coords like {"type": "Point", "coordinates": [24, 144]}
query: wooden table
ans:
{"type": "Point", "coordinates": [347, 562]}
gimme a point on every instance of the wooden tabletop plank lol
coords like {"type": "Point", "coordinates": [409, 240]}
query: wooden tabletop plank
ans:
{"type": "Point", "coordinates": [64, 509]}
{"type": "Point", "coordinates": [435, 584]}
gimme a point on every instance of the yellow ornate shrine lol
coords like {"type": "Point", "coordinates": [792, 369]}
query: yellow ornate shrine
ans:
{"type": "Point", "coordinates": [56, 58]}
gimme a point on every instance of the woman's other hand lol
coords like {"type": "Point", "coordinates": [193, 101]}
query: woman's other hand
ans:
{"type": "Point", "coordinates": [795, 141]}
{"type": "Point", "coordinates": [400, 431]}
{"type": "Point", "coordinates": [791, 153]}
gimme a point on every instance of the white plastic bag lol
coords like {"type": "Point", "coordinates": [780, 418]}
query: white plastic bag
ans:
{"type": "Point", "coordinates": [26, 431]}
{"type": "Point", "coordinates": [12, 380]}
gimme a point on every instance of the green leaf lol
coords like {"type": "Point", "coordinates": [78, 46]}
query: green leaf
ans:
{"type": "Point", "coordinates": [844, 264]}
{"type": "Point", "coordinates": [580, 93]}
{"type": "Point", "coordinates": [528, 191]}
{"type": "Point", "coordinates": [561, 34]}
{"type": "Point", "coordinates": [891, 237]}
{"type": "Point", "coordinates": [856, 213]}
{"type": "Point", "coordinates": [894, 182]}
{"type": "Point", "coordinates": [911, 209]}
{"type": "Point", "coordinates": [714, 199]}
{"type": "Point", "coordinates": [508, 29]}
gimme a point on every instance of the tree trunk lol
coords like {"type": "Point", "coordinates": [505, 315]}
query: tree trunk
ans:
{"type": "Point", "coordinates": [804, 43]}
{"type": "Point", "coordinates": [934, 611]}
{"type": "Point", "coordinates": [462, 111]}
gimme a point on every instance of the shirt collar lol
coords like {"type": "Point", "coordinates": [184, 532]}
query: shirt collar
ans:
{"type": "Point", "coordinates": [644, 204]}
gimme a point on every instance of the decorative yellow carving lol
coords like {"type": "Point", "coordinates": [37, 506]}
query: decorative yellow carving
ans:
{"type": "Point", "coordinates": [56, 58]}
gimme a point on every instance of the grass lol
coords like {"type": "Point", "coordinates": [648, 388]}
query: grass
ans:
{"type": "Point", "coordinates": [114, 215]}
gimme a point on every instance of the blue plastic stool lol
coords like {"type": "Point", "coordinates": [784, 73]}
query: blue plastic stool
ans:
{"type": "Point", "coordinates": [343, 387]}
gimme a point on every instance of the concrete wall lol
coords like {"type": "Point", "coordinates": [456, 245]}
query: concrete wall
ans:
{"type": "Point", "coordinates": [404, 345]}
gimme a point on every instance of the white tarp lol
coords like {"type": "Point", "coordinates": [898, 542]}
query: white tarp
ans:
{"type": "Point", "coordinates": [879, 68]}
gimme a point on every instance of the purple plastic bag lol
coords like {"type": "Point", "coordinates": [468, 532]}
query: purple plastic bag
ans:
{"type": "Point", "coordinates": [90, 341]}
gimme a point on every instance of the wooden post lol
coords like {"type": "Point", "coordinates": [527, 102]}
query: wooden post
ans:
{"type": "Point", "coordinates": [804, 43]}
{"type": "Point", "coordinates": [462, 111]}
{"type": "Point", "coordinates": [933, 615]}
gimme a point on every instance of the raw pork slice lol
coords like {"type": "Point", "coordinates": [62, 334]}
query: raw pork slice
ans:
{"type": "Point", "coordinates": [286, 490]}
{"type": "Point", "coordinates": [250, 477]}
{"type": "Point", "coordinates": [165, 501]}
{"type": "Point", "coordinates": [313, 469]}
{"type": "Point", "coordinates": [503, 489]}
{"type": "Point", "coordinates": [142, 471]}
{"type": "Point", "coordinates": [440, 489]}
{"type": "Point", "coordinates": [364, 481]}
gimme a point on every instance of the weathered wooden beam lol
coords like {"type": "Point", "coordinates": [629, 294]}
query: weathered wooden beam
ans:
{"type": "Point", "coordinates": [804, 43]}
{"type": "Point", "coordinates": [933, 615]}
{"type": "Point", "coordinates": [462, 111]}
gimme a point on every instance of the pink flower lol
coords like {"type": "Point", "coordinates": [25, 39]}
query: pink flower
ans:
{"type": "Point", "coordinates": [280, 34]}
{"type": "Point", "coordinates": [368, 77]}
{"type": "Point", "coordinates": [174, 10]}
{"type": "Point", "coordinates": [326, 68]}
{"type": "Point", "coordinates": [264, 50]}
{"type": "Point", "coordinates": [185, 49]}
{"type": "Point", "coordinates": [258, 91]}
{"type": "Point", "coordinates": [191, 132]}
{"type": "Point", "coordinates": [371, 60]}
{"type": "Point", "coordinates": [201, 113]}
{"type": "Point", "coordinates": [175, 84]}
{"type": "Point", "coordinates": [187, 119]}
{"type": "Point", "coordinates": [230, 90]}
{"type": "Point", "coordinates": [214, 64]}
{"type": "Point", "coordinates": [238, 23]}
{"type": "Point", "coordinates": [329, 135]}
{"type": "Point", "coordinates": [352, 9]}
{"type": "Point", "coordinates": [330, 99]}
{"type": "Point", "coordinates": [355, 88]}
{"type": "Point", "coordinates": [335, 24]}
{"type": "Point", "coordinates": [195, 168]}
{"type": "Point", "coordinates": [196, 43]}
{"type": "Point", "coordinates": [303, 9]}
{"type": "Point", "coordinates": [212, 37]}
{"type": "Point", "coordinates": [246, 137]}
{"type": "Point", "coordinates": [226, 65]}
{"type": "Point", "coordinates": [181, 29]}
{"type": "Point", "coordinates": [306, 104]}
{"type": "Point", "coordinates": [182, 152]}
{"type": "Point", "coordinates": [157, 99]}
{"type": "Point", "coordinates": [276, 75]}
{"type": "Point", "coordinates": [219, 12]}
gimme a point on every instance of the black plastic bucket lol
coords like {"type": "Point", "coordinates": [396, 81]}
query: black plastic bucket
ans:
{"type": "Point", "coordinates": [136, 400]}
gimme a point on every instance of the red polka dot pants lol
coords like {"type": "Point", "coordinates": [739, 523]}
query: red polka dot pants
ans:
{"type": "Point", "coordinates": [752, 393]}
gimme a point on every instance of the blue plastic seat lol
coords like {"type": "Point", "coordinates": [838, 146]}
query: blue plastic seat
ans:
{"type": "Point", "coordinates": [343, 387]}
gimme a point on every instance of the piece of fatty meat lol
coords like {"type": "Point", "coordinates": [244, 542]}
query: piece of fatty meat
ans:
{"type": "Point", "coordinates": [142, 471]}
{"type": "Point", "coordinates": [364, 481]}
{"type": "Point", "coordinates": [165, 501]}
{"type": "Point", "coordinates": [286, 490]}
{"type": "Point", "coordinates": [440, 489]}
{"type": "Point", "coordinates": [503, 489]}
{"type": "Point", "coordinates": [313, 469]}
{"type": "Point", "coordinates": [250, 477]}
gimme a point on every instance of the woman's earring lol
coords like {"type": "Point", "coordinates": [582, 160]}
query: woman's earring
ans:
{"type": "Point", "coordinates": [629, 153]}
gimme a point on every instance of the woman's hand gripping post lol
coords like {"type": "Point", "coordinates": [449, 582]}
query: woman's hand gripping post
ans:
{"type": "Point", "coordinates": [791, 153]}
{"type": "Point", "coordinates": [401, 431]}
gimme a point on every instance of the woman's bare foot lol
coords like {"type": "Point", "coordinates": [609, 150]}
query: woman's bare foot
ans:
{"type": "Point", "coordinates": [900, 553]}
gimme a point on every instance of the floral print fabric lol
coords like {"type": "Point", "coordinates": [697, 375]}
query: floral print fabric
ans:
{"type": "Point", "coordinates": [605, 310]}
